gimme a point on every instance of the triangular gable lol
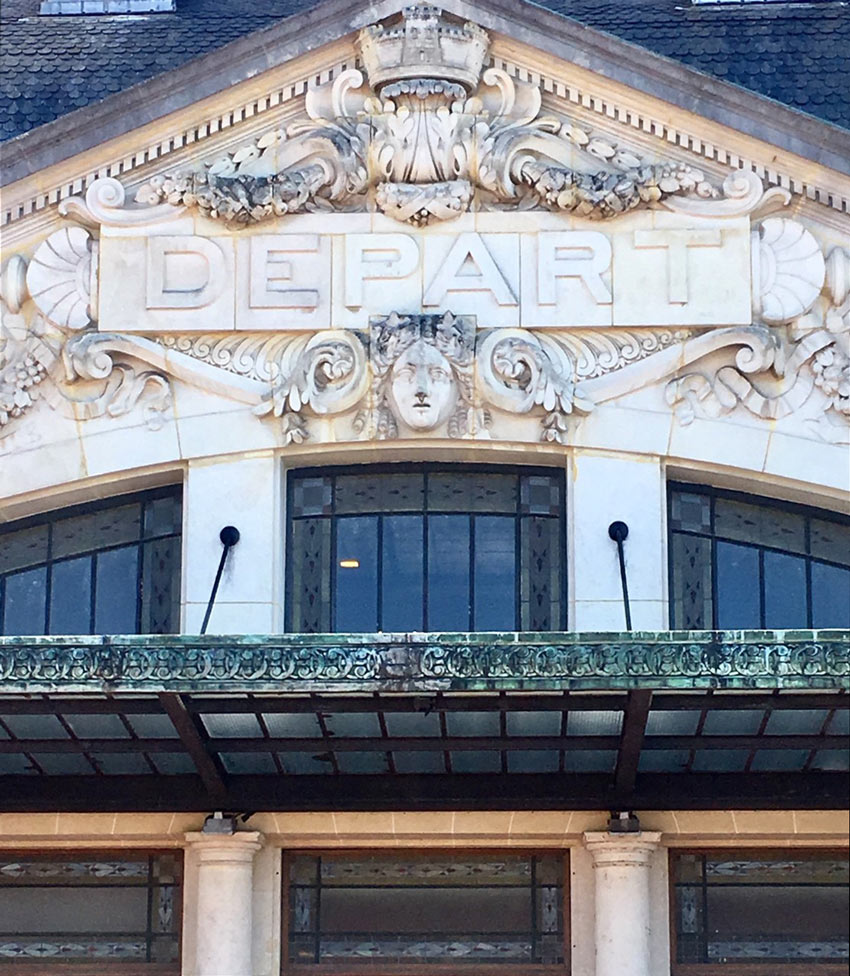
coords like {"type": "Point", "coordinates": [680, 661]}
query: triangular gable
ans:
{"type": "Point", "coordinates": [591, 69]}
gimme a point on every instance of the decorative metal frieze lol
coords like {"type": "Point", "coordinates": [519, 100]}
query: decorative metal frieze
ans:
{"type": "Point", "coordinates": [758, 659]}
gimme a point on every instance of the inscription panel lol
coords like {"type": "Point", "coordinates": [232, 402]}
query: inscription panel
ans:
{"type": "Point", "coordinates": [650, 269]}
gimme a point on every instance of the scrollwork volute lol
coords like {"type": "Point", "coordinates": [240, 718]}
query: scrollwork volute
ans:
{"type": "Point", "coordinates": [48, 333]}
{"type": "Point", "coordinates": [803, 301]}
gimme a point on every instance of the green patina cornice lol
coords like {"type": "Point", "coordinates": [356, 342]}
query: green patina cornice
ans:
{"type": "Point", "coordinates": [428, 662]}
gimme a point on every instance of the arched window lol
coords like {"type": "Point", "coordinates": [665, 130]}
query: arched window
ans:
{"type": "Point", "coordinates": [741, 562]}
{"type": "Point", "coordinates": [109, 567]}
{"type": "Point", "coordinates": [426, 548]}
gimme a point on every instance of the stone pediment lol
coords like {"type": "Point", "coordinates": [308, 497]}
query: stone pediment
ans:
{"type": "Point", "coordinates": [425, 133]}
{"type": "Point", "coordinates": [431, 248]}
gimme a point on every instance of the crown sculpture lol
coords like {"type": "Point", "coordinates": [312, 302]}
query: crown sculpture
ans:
{"type": "Point", "coordinates": [424, 132]}
{"type": "Point", "coordinates": [423, 47]}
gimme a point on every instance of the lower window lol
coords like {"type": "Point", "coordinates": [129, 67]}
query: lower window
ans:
{"type": "Point", "coordinates": [760, 912]}
{"type": "Point", "coordinates": [90, 912]}
{"type": "Point", "coordinates": [396, 914]}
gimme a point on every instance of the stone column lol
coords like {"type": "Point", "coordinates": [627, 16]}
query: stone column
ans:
{"type": "Point", "coordinates": [621, 873]}
{"type": "Point", "coordinates": [223, 912]}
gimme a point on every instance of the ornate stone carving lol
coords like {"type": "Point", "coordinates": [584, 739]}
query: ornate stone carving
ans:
{"type": "Point", "coordinates": [59, 277]}
{"type": "Point", "coordinates": [57, 342]}
{"type": "Point", "coordinates": [811, 353]}
{"type": "Point", "coordinates": [422, 375]}
{"type": "Point", "coordinates": [422, 134]}
{"type": "Point", "coordinates": [519, 370]}
{"type": "Point", "coordinates": [788, 270]}
{"type": "Point", "coordinates": [325, 372]}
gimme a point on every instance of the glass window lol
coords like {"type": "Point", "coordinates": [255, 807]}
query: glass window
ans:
{"type": "Point", "coordinates": [111, 567]}
{"type": "Point", "coordinates": [397, 913]}
{"type": "Point", "coordinates": [425, 548]}
{"type": "Point", "coordinates": [737, 562]}
{"type": "Point", "coordinates": [786, 909]}
{"type": "Point", "coordinates": [118, 912]}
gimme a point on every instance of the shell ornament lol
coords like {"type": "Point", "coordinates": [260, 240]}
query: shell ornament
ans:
{"type": "Point", "coordinates": [790, 269]}
{"type": "Point", "coordinates": [59, 278]}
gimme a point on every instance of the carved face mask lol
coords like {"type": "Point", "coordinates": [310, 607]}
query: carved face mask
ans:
{"type": "Point", "coordinates": [422, 387]}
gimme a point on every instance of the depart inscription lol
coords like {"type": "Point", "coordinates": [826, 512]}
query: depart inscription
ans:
{"type": "Point", "coordinates": [656, 272]}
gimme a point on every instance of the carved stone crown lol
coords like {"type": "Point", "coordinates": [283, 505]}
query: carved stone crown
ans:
{"type": "Point", "coordinates": [423, 46]}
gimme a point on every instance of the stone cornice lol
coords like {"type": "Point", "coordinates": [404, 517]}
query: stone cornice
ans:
{"type": "Point", "coordinates": [748, 660]}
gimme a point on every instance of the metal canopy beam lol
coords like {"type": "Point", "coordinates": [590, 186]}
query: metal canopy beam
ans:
{"type": "Point", "coordinates": [523, 791]}
{"type": "Point", "coordinates": [631, 741]}
{"type": "Point", "coordinates": [193, 743]}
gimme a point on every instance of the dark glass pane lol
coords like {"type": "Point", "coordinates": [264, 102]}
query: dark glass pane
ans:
{"type": "Point", "coordinates": [495, 573]}
{"type": "Point", "coordinates": [466, 491]}
{"type": "Point", "coordinates": [830, 596]}
{"type": "Point", "coordinates": [448, 573]}
{"type": "Point", "coordinates": [375, 493]}
{"type": "Point", "coordinates": [311, 496]}
{"type": "Point", "coordinates": [541, 580]}
{"type": "Point", "coordinates": [421, 910]}
{"type": "Point", "coordinates": [28, 911]}
{"type": "Point", "coordinates": [691, 586]}
{"type": "Point", "coordinates": [161, 586]}
{"type": "Point", "coordinates": [784, 590]}
{"type": "Point", "coordinates": [310, 576]}
{"type": "Point", "coordinates": [24, 602]}
{"type": "Point", "coordinates": [99, 909]}
{"type": "Point", "coordinates": [778, 907]}
{"type": "Point", "coordinates": [764, 525]}
{"type": "Point", "coordinates": [96, 530]}
{"type": "Point", "coordinates": [163, 516]}
{"type": "Point", "coordinates": [403, 568]}
{"type": "Point", "coordinates": [830, 540]}
{"type": "Point", "coordinates": [540, 495]}
{"type": "Point", "coordinates": [356, 596]}
{"type": "Point", "coordinates": [26, 547]}
{"type": "Point", "coordinates": [117, 591]}
{"type": "Point", "coordinates": [737, 586]}
{"type": "Point", "coordinates": [690, 512]}
{"type": "Point", "coordinates": [70, 597]}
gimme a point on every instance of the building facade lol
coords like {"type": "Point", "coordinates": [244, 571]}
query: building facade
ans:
{"type": "Point", "coordinates": [425, 537]}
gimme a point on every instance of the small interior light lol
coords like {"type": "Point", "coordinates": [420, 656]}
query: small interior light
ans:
{"type": "Point", "coordinates": [349, 564]}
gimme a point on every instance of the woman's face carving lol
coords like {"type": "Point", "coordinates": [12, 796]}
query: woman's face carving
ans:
{"type": "Point", "coordinates": [422, 387]}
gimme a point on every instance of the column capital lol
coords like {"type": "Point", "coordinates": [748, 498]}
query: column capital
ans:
{"type": "Point", "coordinates": [233, 848]}
{"type": "Point", "coordinates": [609, 849]}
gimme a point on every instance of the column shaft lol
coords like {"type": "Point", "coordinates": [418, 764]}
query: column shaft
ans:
{"type": "Point", "coordinates": [223, 913]}
{"type": "Point", "coordinates": [621, 875]}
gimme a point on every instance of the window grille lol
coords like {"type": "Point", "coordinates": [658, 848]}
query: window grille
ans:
{"type": "Point", "coordinates": [110, 567]}
{"type": "Point", "coordinates": [426, 548]}
{"type": "Point", "coordinates": [397, 913]}
{"type": "Point", "coordinates": [118, 913]}
{"type": "Point", "coordinates": [760, 912]}
{"type": "Point", "coordinates": [741, 562]}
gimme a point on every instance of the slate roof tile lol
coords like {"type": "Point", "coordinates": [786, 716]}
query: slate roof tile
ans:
{"type": "Point", "coordinates": [797, 53]}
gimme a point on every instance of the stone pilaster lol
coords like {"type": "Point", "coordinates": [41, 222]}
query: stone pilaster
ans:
{"type": "Point", "coordinates": [223, 915]}
{"type": "Point", "coordinates": [621, 875]}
